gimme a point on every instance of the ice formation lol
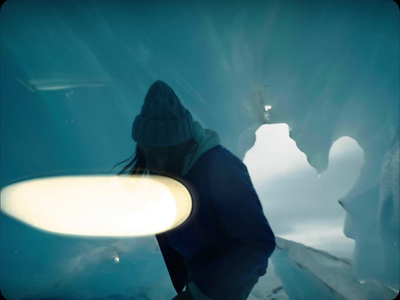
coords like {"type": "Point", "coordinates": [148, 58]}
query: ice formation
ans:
{"type": "Point", "coordinates": [74, 74]}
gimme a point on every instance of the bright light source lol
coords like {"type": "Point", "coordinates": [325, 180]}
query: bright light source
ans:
{"type": "Point", "coordinates": [99, 205]}
{"type": "Point", "coordinates": [267, 107]}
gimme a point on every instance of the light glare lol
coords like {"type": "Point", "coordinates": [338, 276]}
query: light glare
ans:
{"type": "Point", "coordinates": [99, 205]}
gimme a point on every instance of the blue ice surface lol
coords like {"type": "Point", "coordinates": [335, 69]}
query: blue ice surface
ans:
{"type": "Point", "coordinates": [37, 264]}
{"type": "Point", "coordinates": [74, 75]}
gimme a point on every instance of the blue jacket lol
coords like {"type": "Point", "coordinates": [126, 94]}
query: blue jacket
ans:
{"type": "Point", "coordinates": [225, 244]}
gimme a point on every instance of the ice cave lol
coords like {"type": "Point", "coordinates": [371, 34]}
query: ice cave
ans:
{"type": "Point", "coordinates": [304, 92]}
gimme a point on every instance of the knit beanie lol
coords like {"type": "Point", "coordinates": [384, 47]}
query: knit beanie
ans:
{"type": "Point", "coordinates": [163, 120]}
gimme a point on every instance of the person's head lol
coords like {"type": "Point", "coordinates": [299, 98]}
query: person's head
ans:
{"type": "Point", "coordinates": [163, 131]}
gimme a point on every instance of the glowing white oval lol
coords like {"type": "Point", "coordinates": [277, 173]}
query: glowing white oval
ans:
{"type": "Point", "coordinates": [99, 205]}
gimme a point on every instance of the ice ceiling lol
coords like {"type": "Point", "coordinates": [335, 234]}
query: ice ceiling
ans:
{"type": "Point", "coordinates": [74, 74]}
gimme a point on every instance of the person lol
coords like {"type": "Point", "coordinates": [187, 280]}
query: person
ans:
{"type": "Point", "coordinates": [222, 249]}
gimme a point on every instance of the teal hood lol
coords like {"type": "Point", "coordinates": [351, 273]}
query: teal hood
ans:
{"type": "Point", "coordinates": [207, 139]}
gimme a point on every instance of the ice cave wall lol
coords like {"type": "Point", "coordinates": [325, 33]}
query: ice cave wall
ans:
{"type": "Point", "coordinates": [74, 75]}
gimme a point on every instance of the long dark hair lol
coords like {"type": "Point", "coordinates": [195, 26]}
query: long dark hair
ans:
{"type": "Point", "coordinates": [137, 163]}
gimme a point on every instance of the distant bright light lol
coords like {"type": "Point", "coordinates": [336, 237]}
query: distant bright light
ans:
{"type": "Point", "coordinates": [99, 205]}
{"type": "Point", "coordinates": [324, 235]}
{"type": "Point", "coordinates": [267, 107]}
{"type": "Point", "coordinates": [274, 151]}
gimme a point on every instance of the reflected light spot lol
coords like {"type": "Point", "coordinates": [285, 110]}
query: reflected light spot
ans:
{"type": "Point", "coordinates": [106, 205]}
{"type": "Point", "coordinates": [116, 257]}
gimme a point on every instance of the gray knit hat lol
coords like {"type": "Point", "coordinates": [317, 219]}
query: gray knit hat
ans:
{"type": "Point", "coordinates": [163, 120]}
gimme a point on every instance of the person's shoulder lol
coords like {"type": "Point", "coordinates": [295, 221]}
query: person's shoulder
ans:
{"type": "Point", "coordinates": [219, 153]}
{"type": "Point", "coordinates": [220, 157]}
{"type": "Point", "coordinates": [216, 162]}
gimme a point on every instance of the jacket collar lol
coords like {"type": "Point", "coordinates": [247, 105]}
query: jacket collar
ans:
{"type": "Point", "coordinates": [207, 139]}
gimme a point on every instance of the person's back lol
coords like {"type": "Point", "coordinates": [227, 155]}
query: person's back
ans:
{"type": "Point", "coordinates": [224, 246]}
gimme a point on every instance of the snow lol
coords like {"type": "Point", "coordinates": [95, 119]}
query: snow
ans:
{"type": "Point", "coordinates": [74, 75]}
{"type": "Point", "coordinates": [307, 273]}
